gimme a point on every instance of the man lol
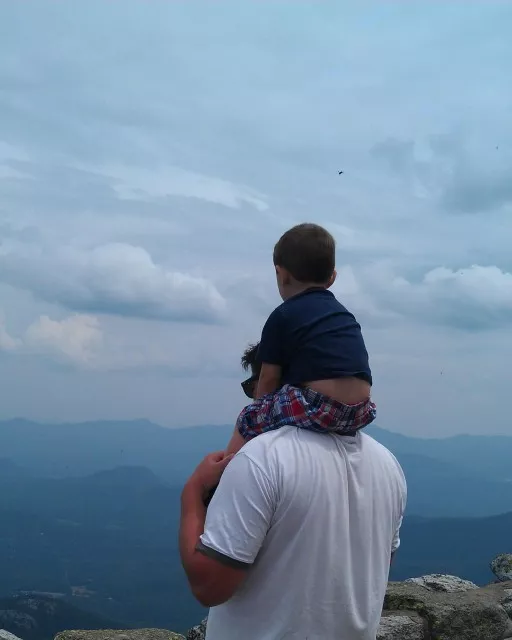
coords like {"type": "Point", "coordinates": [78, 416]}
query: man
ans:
{"type": "Point", "coordinates": [297, 539]}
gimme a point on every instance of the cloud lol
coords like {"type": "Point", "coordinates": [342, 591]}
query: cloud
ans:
{"type": "Point", "coordinates": [477, 298]}
{"type": "Point", "coordinates": [7, 342]}
{"type": "Point", "coordinates": [117, 279]}
{"type": "Point", "coordinates": [140, 183]}
{"type": "Point", "coordinates": [76, 338]}
{"type": "Point", "coordinates": [474, 191]}
{"type": "Point", "coordinates": [151, 182]}
{"type": "Point", "coordinates": [464, 173]}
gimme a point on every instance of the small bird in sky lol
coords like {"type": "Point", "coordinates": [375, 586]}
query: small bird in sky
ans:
{"type": "Point", "coordinates": [340, 172]}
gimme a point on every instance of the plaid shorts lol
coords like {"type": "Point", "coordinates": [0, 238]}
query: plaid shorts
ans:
{"type": "Point", "coordinates": [306, 409]}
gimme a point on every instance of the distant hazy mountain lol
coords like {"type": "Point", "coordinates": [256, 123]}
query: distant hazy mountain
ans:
{"type": "Point", "coordinates": [437, 488]}
{"type": "Point", "coordinates": [459, 546]}
{"type": "Point", "coordinates": [9, 469]}
{"type": "Point", "coordinates": [108, 542]}
{"type": "Point", "coordinates": [39, 617]}
{"type": "Point", "coordinates": [460, 476]}
{"type": "Point", "coordinates": [79, 449]}
{"type": "Point", "coordinates": [485, 455]}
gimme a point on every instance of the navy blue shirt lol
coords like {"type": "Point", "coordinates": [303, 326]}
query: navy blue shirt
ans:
{"type": "Point", "coordinates": [313, 337]}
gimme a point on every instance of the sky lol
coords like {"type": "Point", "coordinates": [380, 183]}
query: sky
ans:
{"type": "Point", "coordinates": [152, 152]}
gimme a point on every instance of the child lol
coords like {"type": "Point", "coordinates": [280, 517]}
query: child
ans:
{"type": "Point", "coordinates": [314, 364]}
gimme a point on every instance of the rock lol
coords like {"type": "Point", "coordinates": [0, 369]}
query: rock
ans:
{"type": "Point", "coordinates": [475, 614]}
{"type": "Point", "coordinates": [442, 582]}
{"type": "Point", "coordinates": [136, 634]}
{"type": "Point", "coordinates": [18, 619]}
{"type": "Point", "coordinates": [433, 607]}
{"type": "Point", "coordinates": [5, 635]}
{"type": "Point", "coordinates": [501, 566]}
{"type": "Point", "coordinates": [506, 602]}
{"type": "Point", "coordinates": [198, 632]}
{"type": "Point", "coordinates": [401, 626]}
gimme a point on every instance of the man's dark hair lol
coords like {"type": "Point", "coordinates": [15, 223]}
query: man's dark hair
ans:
{"type": "Point", "coordinates": [307, 251]}
{"type": "Point", "coordinates": [250, 359]}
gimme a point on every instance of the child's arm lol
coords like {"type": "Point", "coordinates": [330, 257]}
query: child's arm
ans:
{"type": "Point", "coordinates": [269, 380]}
{"type": "Point", "coordinates": [270, 375]}
{"type": "Point", "coordinates": [235, 444]}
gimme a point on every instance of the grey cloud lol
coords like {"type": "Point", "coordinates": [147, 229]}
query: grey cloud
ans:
{"type": "Point", "coordinates": [399, 154]}
{"type": "Point", "coordinates": [474, 192]}
{"type": "Point", "coordinates": [112, 279]}
{"type": "Point", "coordinates": [22, 233]}
{"type": "Point", "coordinates": [463, 175]}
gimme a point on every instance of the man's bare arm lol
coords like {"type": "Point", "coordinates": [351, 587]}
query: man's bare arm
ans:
{"type": "Point", "coordinates": [211, 581]}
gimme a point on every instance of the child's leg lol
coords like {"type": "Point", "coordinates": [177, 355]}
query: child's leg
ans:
{"type": "Point", "coordinates": [267, 413]}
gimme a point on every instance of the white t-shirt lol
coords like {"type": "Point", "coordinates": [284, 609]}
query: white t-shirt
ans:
{"type": "Point", "coordinates": [314, 518]}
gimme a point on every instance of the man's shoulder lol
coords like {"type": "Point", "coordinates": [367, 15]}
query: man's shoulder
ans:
{"type": "Point", "coordinates": [287, 451]}
{"type": "Point", "coordinates": [271, 450]}
{"type": "Point", "coordinates": [277, 439]}
{"type": "Point", "coordinates": [288, 438]}
{"type": "Point", "coordinates": [373, 448]}
{"type": "Point", "coordinates": [369, 443]}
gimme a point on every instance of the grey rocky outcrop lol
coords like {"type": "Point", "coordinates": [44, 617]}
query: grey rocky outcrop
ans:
{"type": "Point", "coordinates": [440, 582]}
{"type": "Point", "coordinates": [439, 607]}
{"type": "Point", "coordinates": [5, 635]}
{"type": "Point", "coordinates": [405, 625]}
{"type": "Point", "coordinates": [506, 601]}
{"type": "Point", "coordinates": [198, 632]}
{"type": "Point", "coordinates": [501, 566]}
{"type": "Point", "coordinates": [433, 607]}
{"type": "Point", "coordinates": [135, 634]}
{"type": "Point", "coordinates": [473, 614]}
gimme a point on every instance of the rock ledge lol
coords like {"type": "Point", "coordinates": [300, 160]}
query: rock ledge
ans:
{"type": "Point", "coordinates": [433, 607]}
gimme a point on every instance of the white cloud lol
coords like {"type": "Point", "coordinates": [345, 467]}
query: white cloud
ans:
{"type": "Point", "coordinates": [474, 298]}
{"type": "Point", "coordinates": [139, 183]}
{"type": "Point", "coordinates": [117, 279]}
{"type": "Point", "coordinates": [76, 338]}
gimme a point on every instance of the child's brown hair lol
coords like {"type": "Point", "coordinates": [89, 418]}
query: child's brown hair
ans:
{"type": "Point", "coordinates": [307, 251]}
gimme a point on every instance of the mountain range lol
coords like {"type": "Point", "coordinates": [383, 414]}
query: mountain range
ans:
{"type": "Point", "coordinates": [458, 476]}
{"type": "Point", "coordinates": [38, 616]}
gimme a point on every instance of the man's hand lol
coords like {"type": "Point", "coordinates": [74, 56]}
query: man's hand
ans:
{"type": "Point", "coordinates": [208, 472]}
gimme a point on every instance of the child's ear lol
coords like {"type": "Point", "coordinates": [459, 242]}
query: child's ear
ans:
{"type": "Point", "coordinates": [332, 279]}
{"type": "Point", "coordinates": [283, 275]}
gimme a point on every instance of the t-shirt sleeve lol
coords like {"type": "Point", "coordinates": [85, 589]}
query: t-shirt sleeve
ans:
{"type": "Point", "coordinates": [403, 501]}
{"type": "Point", "coordinates": [272, 344]}
{"type": "Point", "coordinates": [396, 538]}
{"type": "Point", "coordinates": [239, 514]}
